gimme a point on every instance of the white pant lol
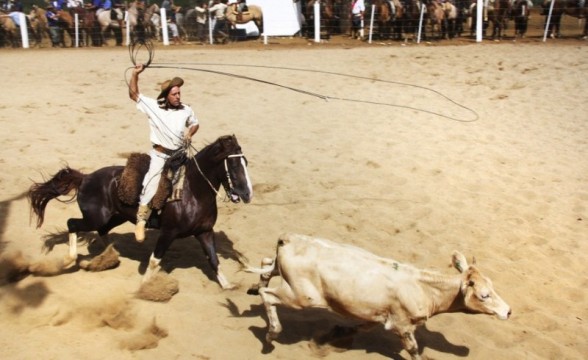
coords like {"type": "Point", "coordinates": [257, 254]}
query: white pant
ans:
{"type": "Point", "coordinates": [174, 30]}
{"type": "Point", "coordinates": [151, 180]}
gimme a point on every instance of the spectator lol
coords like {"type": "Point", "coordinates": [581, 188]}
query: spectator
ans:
{"type": "Point", "coordinates": [58, 5]}
{"type": "Point", "coordinates": [357, 11]}
{"type": "Point", "coordinates": [53, 23]}
{"type": "Point", "coordinates": [218, 10]}
{"type": "Point", "coordinates": [166, 4]}
{"type": "Point", "coordinates": [173, 25]}
{"type": "Point", "coordinates": [201, 19]}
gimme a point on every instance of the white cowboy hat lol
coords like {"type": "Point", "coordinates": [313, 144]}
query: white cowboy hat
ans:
{"type": "Point", "coordinates": [231, 2]}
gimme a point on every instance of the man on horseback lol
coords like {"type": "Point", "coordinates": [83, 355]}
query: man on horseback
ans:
{"type": "Point", "coordinates": [172, 125]}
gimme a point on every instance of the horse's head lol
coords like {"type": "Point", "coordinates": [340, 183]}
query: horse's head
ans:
{"type": "Point", "coordinates": [236, 181]}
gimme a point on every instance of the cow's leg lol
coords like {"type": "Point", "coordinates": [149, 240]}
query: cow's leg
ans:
{"type": "Point", "coordinates": [272, 297]}
{"type": "Point", "coordinates": [207, 241]}
{"type": "Point", "coordinates": [409, 343]}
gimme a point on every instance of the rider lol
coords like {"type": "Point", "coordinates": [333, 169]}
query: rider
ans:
{"type": "Point", "coordinates": [172, 125]}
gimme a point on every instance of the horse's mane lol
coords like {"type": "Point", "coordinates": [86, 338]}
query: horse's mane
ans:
{"type": "Point", "coordinates": [221, 148]}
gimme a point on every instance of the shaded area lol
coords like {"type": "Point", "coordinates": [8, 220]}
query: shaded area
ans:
{"type": "Point", "coordinates": [328, 332]}
{"type": "Point", "coordinates": [4, 214]}
{"type": "Point", "coordinates": [184, 253]}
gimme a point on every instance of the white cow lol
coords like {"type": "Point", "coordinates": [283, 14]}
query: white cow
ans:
{"type": "Point", "coordinates": [318, 273]}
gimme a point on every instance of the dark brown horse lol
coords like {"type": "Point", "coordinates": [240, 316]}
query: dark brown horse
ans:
{"type": "Point", "coordinates": [221, 162]}
{"type": "Point", "coordinates": [498, 15]}
{"type": "Point", "coordinates": [66, 24]}
{"type": "Point", "coordinates": [497, 12]}
{"type": "Point", "coordinates": [565, 7]}
{"type": "Point", "coordinates": [520, 14]}
{"type": "Point", "coordinates": [406, 22]}
{"type": "Point", "coordinates": [383, 18]}
{"type": "Point", "coordinates": [327, 15]}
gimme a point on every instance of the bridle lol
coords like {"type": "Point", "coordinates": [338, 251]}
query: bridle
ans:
{"type": "Point", "coordinates": [229, 185]}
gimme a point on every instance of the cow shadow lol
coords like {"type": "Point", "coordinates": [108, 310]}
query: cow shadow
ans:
{"type": "Point", "coordinates": [184, 253]}
{"type": "Point", "coordinates": [328, 332]}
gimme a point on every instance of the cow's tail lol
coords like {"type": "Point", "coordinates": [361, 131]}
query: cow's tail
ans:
{"type": "Point", "coordinates": [269, 269]}
{"type": "Point", "coordinates": [62, 183]}
{"type": "Point", "coordinates": [268, 266]}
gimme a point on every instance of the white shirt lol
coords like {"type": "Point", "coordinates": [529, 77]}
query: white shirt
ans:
{"type": "Point", "coordinates": [358, 7]}
{"type": "Point", "coordinates": [218, 10]}
{"type": "Point", "coordinates": [167, 127]}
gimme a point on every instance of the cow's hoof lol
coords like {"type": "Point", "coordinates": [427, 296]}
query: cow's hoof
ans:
{"type": "Point", "coordinates": [253, 290]}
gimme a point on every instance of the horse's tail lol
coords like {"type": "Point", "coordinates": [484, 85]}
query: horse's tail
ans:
{"type": "Point", "coordinates": [62, 183]}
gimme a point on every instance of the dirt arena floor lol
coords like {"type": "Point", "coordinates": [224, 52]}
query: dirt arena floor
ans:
{"type": "Point", "coordinates": [420, 150]}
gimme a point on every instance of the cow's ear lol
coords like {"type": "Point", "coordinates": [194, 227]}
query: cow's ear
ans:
{"type": "Point", "coordinates": [459, 261]}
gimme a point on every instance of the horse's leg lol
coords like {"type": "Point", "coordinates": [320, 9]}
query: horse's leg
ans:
{"type": "Point", "coordinates": [104, 230]}
{"type": "Point", "coordinates": [166, 237]}
{"type": "Point", "coordinates": [207, 241]}
{"type": "Point", "coordinates": [74, 226]}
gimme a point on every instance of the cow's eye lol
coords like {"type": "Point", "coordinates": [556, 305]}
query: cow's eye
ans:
{"type": "Point", "coordinates": [484, 297]}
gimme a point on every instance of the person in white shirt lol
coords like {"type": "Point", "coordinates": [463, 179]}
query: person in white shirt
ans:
{"type": "Point", "coordinates": [218, 10]}
{"type": "Point", "coordinates": [357, 11]}
{"type": "Point", "coordinates": [201, 19]}
{"type": "Point", "coordinates": [172, 125]}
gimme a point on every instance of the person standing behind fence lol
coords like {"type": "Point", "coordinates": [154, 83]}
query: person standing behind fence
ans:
{"type": "Point", "coordinates": [201, 19]}
{"type": "Point", "coordinates": [357, 11]}
{"type": "Point", "coordinates": [53, 23]}
{"type": "Point", "coordinates": [218, 9]}
{"type": "Point", "coordinates": [167, 5]}
{"type": "Point", "coordinates": [173, 25]}
{"type": "Point", "coordinates": [74, 4]}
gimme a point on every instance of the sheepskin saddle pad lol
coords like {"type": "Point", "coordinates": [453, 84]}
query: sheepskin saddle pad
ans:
{"type": "Point", "coordinates": [131, 180]}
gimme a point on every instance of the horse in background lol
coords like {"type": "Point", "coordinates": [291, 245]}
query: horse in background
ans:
{"type": "Point", "coordinates": [10, 34]}
{"type": "Point", "coordinates": [108, 23]}
{"type": "Point", "coordinates": [152, 22]}
{"type": "Point", "coordinates": [499, 11]}
{"type": "Point", "coordinates": [565, 7]}
{"type": "Point", "coordinates": [442, 18]}
{"type": "Point", "coordinates": [253, 13]}
{"type": "Point", "coordinates": [406, 22]}
{"type": "Point", "coordinates": [520, 14]}
{"type": "Point", "coordinates": [462, 14]}
{"type": "Point", "coordinates": [383, 17]}
{"type": "Point", "coordinates": [327, 15]}
{"type": "Point", "coordinates": [39, 24]}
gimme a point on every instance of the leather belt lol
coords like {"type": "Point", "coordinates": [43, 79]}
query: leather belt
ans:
{"type": "Point", "coordinates": [163, 150]}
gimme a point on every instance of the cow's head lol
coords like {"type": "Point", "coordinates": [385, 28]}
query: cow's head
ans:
{"type": "Point", "coordinates": [478, 293]}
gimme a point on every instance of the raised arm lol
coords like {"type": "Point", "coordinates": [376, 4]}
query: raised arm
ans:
{"type": "Point", "coordinates": [134, 84]}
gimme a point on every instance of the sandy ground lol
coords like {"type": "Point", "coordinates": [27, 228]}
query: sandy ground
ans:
{"type": "Point", "coordinates": [480, 148]}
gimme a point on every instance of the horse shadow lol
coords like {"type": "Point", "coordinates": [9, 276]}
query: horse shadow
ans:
{"type": "Point", "coordinates": [5, 206]}
{"type": "Point", "coordinates": [328, 332]}
{"type": "Point", "coordinates": [183, 253]}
